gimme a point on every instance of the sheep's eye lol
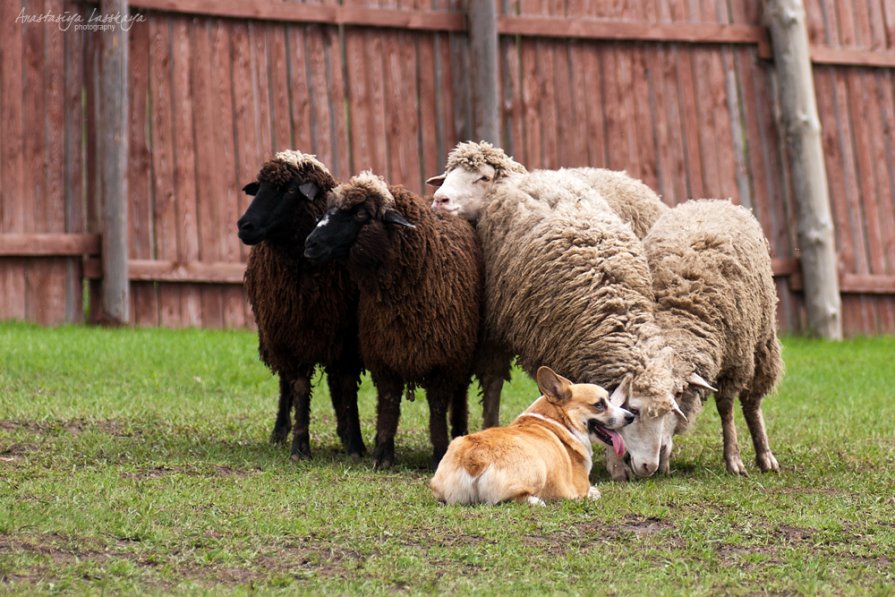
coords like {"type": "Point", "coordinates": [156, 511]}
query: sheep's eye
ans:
{"type": "Point", "coordinates": [362, 215]}
{"type": "Point", "coordinates": [634, 411]}
{"type": "Point", "coordinates": [484, 179]}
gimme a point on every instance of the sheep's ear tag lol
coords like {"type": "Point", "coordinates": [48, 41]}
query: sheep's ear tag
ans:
{"type": "Point", "coordinates": [393, 217]}
{"type": "Point", "coordinates": [251, 188]}
{"type": "Point", "coordinates": [698, 381]}
{"type": "Point", "coordinates": [309, 190]}
{"type": "Point", "coordinates": [436, 181]}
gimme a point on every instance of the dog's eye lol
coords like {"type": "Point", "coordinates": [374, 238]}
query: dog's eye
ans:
{"type": "Point", "coordinates": [600, 406]}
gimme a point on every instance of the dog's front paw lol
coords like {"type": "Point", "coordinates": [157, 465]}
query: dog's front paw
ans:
{"type": "Point", "coordinates": [536, 501]}
{"type": "Point", "coordinates": [593, 493]}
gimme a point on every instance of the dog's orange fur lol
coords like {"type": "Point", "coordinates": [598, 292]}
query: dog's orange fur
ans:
{"type": "Point", "coordinates": [544, 454]}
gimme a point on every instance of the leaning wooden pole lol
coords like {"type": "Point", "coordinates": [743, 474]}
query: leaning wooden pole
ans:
{"type": "Point", "coordinates": [113, 164]}
{"type": "Point", "coordinates": [482, 15]}
{"type": "Point", "coordinates": [792, 58]}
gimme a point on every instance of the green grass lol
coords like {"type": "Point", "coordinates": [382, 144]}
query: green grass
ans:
{"type": "Point", "coordinates": [137, 460]}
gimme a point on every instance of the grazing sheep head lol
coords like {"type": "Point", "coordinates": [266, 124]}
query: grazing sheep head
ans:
{"type": "Point", "coordinates": [362, 206]}
{"type": "Point", "coordinates": [653, 395]}
{"type": "Point", "coordinates": [471, 170]}
{"type": "Point", "coordinates": [288, 198]}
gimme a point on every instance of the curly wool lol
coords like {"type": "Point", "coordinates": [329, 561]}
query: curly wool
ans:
{"type": "Point", "coordinates": [473, 156]}
{"type": "Point", "coordinates": [634, 202]}
{"type": "Point", "coordinates": [567, 284]}
{"type": "Point", "coordinates": [420, 288]}
{"type": "Point", "coordinates": [292, 299]}
{"type": "Point", "coordinates": [716, 299]}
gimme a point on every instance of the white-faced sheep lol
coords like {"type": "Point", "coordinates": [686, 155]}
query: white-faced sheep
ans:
{"type": "Point", "coordinates": [472, 170]}
{"type": "Point", "coordinates": [306, 314]}
{"type": "Point", "coordinates": [566, 281]}
{"type": "Point", "coordinates": [419, 275]}
{"type": "Point", "coordinates": [714, 287]}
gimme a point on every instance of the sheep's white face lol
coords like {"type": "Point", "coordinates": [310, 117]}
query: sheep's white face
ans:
{"type": "Point", "coordinates": [461, 192]}
{"type": "Point", "coordinates": [646, 438]}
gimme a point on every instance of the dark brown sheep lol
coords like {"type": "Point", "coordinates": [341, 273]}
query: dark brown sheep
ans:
{"type": "Point", "coordinates": [419, 275]}
{"type": "Point", "coordinates": [306, 314]}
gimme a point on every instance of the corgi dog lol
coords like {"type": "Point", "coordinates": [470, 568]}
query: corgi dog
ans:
{"type": "Point", "coordinates": [545, 454]}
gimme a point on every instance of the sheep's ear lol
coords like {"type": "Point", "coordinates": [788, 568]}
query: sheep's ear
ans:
{"type": "Point", "coordinates": [393, 217]}
{"type": "Point", "coordinates": [620, 393]}
{"type": "Point", "coordinates": [698, 381]}
{"type": "Point", "coordinates": [251, 188]}
{"type": "Point", "coordinates": [554, 386]}
{"type": "Point", "coordinates": [436, 181]}
{"type": "Point", "coordinates": [309, 190]}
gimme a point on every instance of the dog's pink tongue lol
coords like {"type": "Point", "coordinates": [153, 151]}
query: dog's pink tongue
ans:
{"type": "Point", "coordinates": [618, 444]}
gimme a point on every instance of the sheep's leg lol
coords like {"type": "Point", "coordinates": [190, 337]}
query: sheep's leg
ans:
{"type": "Point", "coordinates": [665, 459]}
{"type": "Point", "coordinates": [459, 410]}
{"type": "Point", "coordinates": [724, 402]}
{"type": "Point", "coordinates": [283, 423]}
{"type": "Point", "coordinates": [301, 434]}
{"type": "Point", "coordinates": [764, 458]}
{"type": "Point", "coordinates": [343, 382]}
{"type": "Point", "coordinates": [616, 466]}
{"type": "Point", "coordinates": [388, 412]}
{"type": "Point", "coordinates": [492, 369]}
{"type": "Point", "coordinates": [438, 392]}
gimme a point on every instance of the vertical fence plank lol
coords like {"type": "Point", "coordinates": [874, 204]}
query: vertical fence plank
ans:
{"type": "Point", "coordinates": [72, 175]}
{"type": "Point", "coordinates": [164, 208]}
{"type": "Point", "coordinates": [144, 295]}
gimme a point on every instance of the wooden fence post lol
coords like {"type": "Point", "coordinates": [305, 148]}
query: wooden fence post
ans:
{"type": "Point", "coordinates": [113, 151]}
{"type": "Point", "coordinates": [482, 15]}
{"type": "Point", "coordinates": [792, 58]}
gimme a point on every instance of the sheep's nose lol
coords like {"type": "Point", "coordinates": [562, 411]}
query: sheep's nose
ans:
{"type": "Point", "coordinates": [648, 468]}
{"type": "Point", "coordinates": [245, 225]}
{"type": "Point", "coordinates": [442, 200]}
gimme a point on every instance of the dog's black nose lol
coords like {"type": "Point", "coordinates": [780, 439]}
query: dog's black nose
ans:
{"type": "Point", "coordinates": [629, 418]}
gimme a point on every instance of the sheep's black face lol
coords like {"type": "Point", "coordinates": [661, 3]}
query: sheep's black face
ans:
{"type": "Point", "coordinates": [270, 215]}
{"type": "Point", "coordinates": [336, 233]}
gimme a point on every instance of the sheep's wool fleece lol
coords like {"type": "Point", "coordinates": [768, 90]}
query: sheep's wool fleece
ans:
{"type": "Point", "coordinates": [299, 159]}
{"type": "Point", "coordinates": [305, 314]}
{"type": "Point", "coordinates": [472, 156]}
{"type": "Point", "coordinates": [567, 284]}
{"type": "Point", "coordinates": [716, 300]}
{"type": "Point", "coordinates": [634, 202]}
{"type": "Point", "coordinates": [420, 288]}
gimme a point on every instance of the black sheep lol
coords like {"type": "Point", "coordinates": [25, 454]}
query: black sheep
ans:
{"type": "Point", "coordinates": [306, 314]}
{"type": "Point", "coordinates": [420, 279]}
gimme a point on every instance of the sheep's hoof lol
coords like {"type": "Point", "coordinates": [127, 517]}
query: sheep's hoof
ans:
{"type": "Point", "coordinates": [383, 457]}
{"type": "Point", "coordinates": [735, 466]}
{"type": "Point", "coordinates": [279, 435]}
{"type": "Point", "coordinates": [766, 462]}
{"type": "Point", "coordinates": [301, 451]}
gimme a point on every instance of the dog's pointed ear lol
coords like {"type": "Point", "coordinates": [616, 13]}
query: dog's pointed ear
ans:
{"type": "Point", "coordinates": [309, 190]}
{"type": "Point", "coordinates": [393, 217]}
{"type": "Point", "coordinates": [620, 393]}
{"type": "Point", "coordinates": [251, 188]}
{"type": "Point", "coordinates": [556, 388]}
{"type": "Point", "coordinates": [700, 382]}
{"type": "Point", "coordinates": [436, 181]}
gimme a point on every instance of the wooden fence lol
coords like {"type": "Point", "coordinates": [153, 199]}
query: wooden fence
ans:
{"type": "Point", "coordinates": [678, 93]}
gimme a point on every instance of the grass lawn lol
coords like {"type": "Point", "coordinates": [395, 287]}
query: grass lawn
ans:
{"type": "Point", "coordinates": [137, 460]}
